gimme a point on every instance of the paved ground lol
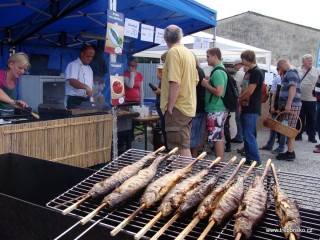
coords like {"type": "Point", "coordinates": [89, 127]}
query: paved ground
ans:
{"type": "Point", "coordinates": [307, 162]}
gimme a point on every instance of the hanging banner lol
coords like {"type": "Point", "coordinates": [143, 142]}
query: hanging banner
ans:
{"type": "Point", "coordinates": [116, 83]}
{"type": "Point", "coordinates": [115, 33]}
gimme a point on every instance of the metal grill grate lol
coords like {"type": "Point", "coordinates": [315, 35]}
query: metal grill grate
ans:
{"type": "Point", "coordinates": [304, 189]}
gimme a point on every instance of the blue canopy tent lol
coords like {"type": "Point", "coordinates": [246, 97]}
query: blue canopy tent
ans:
{"type": "Point", "coordinates": [60, 28]}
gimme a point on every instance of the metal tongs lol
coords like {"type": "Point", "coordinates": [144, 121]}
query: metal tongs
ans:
{"type": "Point", "coordinates": [29, 111]}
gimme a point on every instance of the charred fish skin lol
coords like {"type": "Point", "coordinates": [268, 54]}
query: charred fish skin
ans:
{"type": "Point", "coordinates": [195, 196]}
{"type": "Point", "coordinates": [288, 213]}
{"type": "Point", "coordinates": [156, 190]}
{"type": "Point", "coordinates": [251, 209]}
{"type": "Point", "coordinates": [229, 202]}
{"type": "Point", "coordinates": [133, 185]}
{"type": "Point", "coordinates": [173, 199]}
{"type": "Point", "coordinates": [107, 185]}
{"type": "Point", "coordinates": [204, 208]}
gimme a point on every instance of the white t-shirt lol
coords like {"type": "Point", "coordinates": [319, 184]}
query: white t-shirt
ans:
{"type": "Point", "coordinates": [83, 73]}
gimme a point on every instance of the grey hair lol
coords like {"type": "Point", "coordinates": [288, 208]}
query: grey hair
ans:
{"type": "Point", "coordinates": [173, 34]}
{"type": "Point", "coordinates": [304, 57]}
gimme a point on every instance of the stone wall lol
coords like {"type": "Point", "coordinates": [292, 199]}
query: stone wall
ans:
{"type": "Point", "coordinates": [283, 39]}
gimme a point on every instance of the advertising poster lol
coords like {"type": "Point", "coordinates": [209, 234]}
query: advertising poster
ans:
{"type": "Point", "coordinates": [115, 33]}
{"type": "Point", "coordinates": [116, 83]}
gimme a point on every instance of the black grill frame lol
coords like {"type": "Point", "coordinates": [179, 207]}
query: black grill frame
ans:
{"type": "Point", "coordinates": [301, 188]}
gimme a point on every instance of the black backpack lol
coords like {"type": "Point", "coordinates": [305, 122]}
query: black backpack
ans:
{"type": "Point", "coordinates": [231, 96]}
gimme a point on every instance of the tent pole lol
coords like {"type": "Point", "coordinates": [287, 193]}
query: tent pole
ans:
{"type": "Point", "coordinates": [113, 58]}
{"type": "Point", "coordinates": [214, 34]}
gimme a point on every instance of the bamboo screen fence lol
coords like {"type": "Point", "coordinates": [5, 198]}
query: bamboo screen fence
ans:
{"type": "Point", "coordinates": [79, 141]}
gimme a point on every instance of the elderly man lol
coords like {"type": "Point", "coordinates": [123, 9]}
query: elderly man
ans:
{"type": "Point", "coordinates": [178, 91]}
{"type": "Point", "coordinates": [309, 76]}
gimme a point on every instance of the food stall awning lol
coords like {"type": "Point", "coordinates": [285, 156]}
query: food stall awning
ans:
{"type": "Point", "coordinates": [68, 23]}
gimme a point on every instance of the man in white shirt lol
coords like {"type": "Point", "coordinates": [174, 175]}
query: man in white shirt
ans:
{"type": "Point", "coordinates": [79, 78]}
{"type": "Point", "coordinates": [308, 77]}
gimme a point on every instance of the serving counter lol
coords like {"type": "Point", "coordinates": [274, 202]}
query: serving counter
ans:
{"type": "Point", "coordinates": [81, 141]}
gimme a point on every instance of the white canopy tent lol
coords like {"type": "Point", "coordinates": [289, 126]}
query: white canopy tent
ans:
{"type": "Point", "coordinates": [231, 50]}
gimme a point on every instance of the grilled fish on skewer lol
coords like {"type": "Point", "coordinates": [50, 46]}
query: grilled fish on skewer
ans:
{"type": "Point", "coordinates": [228, 204]}
{"type": "Point", "coordinates": [205, 206]}
{"type": "Point", "coordinates": [130, 187]}
{"type": "Point", "coordinates": [157, 189]}
{"type": "Point", "coordinates": [174, 197]}
{"type": "Point", "coordinates": [252, 207]}
{"type": "Point", "coordinates": [110, 183]}
{"type": "Point", "coordinates": [203, 209]}
{"type": "Point", "coordinates": [206, 187]}
{"type": "Point", "coordinates": [107, 185]}
{"type": "Point", "coordinates": [173, 179]}
{"type": "Point", "coordinates": [196, 195]}
{"type": "Point", "coordinates": [287, 210]}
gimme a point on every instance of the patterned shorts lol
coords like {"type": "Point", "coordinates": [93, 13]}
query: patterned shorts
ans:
{"type": "Point", "coordinates": [215, 125]}
{"type": "Point", "coordinates": [291, 118]}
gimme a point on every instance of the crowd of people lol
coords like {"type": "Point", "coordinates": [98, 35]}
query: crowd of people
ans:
{"type": "Point", "coordinates": [190, 104]}
{"type": "Point", "coordinates": [290, 94]}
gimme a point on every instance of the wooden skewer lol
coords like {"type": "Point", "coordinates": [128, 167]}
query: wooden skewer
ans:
{"type": "Point", "coordinates": [177, 215]}
{"type": "Point", "coordinates": [266, 169]}
{"type": "Point", "coordinates": [165, 227]}
{"type": "Point", "coordinates": [76, 204]}
{"type": "Point", "coordinates": [212, 222]}
{"type": "Point", "coordinates": [238, 237]}
{"type": "Point", "coordinates": [125, 222]}
{"type": "Point", "coordinates": [206, 230]}
{"type": "Point", "coordinates": [275, 176]}
{"type": "Point", "coordinates": [188, 229]}
{"type": "Point", "coordinates": [276, 181]}
{"type": "Point", "coordinates": [246, 175]}
{"type": "Point", "coordinates": [292, 236]}
{"type": "Point", "coordinates": [92, 214]}
{"type": "Point", "coordinates": [148, 226]}
{"type": "Point", "coordinates": [160, 149]}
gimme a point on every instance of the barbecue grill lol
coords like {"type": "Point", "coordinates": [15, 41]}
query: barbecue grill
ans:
{"type": "Point", "coordinates": [304, 189]}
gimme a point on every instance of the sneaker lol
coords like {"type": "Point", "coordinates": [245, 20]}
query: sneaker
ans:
{"type": "Point", "coordinates": [233, 140]}
{"type": "Point", "coordinates": [240, 150]}
{"type": "Point", "coordinates": [227, 150]}
{"type": "Point", "coordinates": [248, 164]}
{"type": "Point", "coordinates": [265, 148]}
{"type": "Point", "coordinates": [277, 150]}
{"type": "Point", "coordinates": [312, 140]}
{"type": "Point", "coordinates": [288, 156]}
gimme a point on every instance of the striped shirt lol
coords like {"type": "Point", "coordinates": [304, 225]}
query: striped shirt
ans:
{"type": "Point", "coordinates": [291, 78]}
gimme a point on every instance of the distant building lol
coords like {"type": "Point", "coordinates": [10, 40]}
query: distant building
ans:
{"type": "Point", "coordinates": [284, 39]}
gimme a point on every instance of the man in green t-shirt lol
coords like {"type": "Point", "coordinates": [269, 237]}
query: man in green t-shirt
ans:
{"type": "Point", "coordinates": [216, 111]}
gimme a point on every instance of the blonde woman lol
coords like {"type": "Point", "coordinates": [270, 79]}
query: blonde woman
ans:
{"type": "Point", "coordinates": [17, 64]}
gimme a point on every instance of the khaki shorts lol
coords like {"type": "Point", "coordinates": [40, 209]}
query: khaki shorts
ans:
{"type": "Point", "coordinates": [178, 128]}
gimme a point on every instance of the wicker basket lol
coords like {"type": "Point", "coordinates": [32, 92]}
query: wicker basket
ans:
{"type": "Point", "coordinates": [277, 126]}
